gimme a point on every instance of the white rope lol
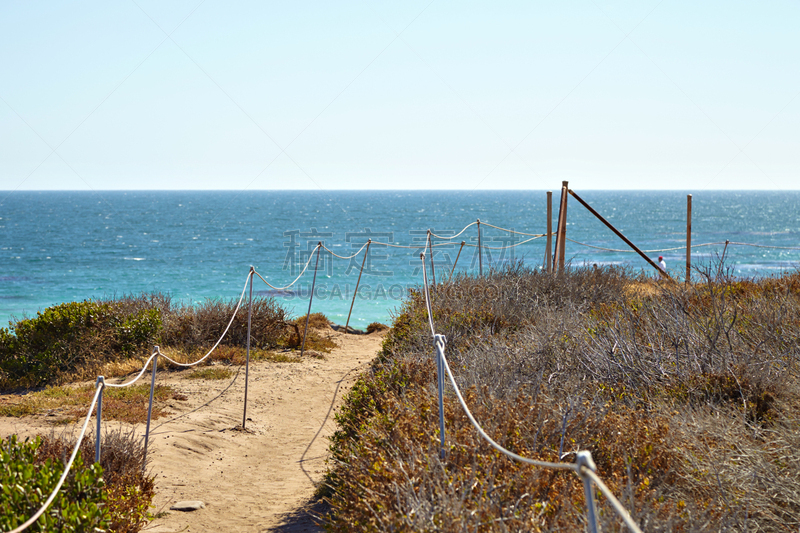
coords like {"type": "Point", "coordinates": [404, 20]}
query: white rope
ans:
{"type": "Point", "coordinates": [763, 246]}
{"type": "Point", "coordinates": [509, 246]}
{"type": "Point", "coordinates": [482, 433]}
{"type": "Point", "coordinates": [341, 256]}
{"type": "Point", "coordinates": [396, 245]}
{"type": "Point", "coordinates": [684, 247]}
{"type": "Point", "coordinates": [440, 342]}
{"type": "Point", "coordinates": [158, 350]}
{"type": "Point", "coordinates": [67, 466]}
{"type": "Point", "coordinates": [457, 234]}
{"type": "Point", "coordinates": [516, 232]}
{"type": "Point", "coordinates": [134, 380]}
{"type": "Point", "coordinates": [310, 256]}
{"type": "Point", "coordinates": [645, 251]}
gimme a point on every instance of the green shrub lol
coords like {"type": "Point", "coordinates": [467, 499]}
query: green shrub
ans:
{"type": "Point", "coordinates": [26, 482]}
{"type": "Point", "coordinates": [73, 340]}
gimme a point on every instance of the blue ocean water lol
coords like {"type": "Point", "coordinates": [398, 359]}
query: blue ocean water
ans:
{"type": "Point", "coordinates": [67, 246]}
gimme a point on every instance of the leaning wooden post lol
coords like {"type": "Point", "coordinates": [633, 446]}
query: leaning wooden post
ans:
{"type": "Point", "coordinates": [548, 254]}
{"type": "Point", "coordinates": [620, 235]}
{"type": "Point", "coordinates": [247, 359]}
{"type": "Point", "coordinates": [363, 262]}
{"type": "Point", "coordinates": [480, 250]}
{"type": "Point", "coordinates": [688, 238]}
{"type": "Point", "coordinates": [310, 299]}
{"type": "Point", "coordinates": [457, 256]}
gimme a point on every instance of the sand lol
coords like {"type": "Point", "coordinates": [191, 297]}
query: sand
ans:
{"type": "Point", "coordinates": [261, 479]}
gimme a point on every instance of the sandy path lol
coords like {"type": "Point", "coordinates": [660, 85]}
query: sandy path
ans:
{"type": "Point", "coordinates": [255, 480]}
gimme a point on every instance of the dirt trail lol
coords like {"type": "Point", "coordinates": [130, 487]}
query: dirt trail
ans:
{"type": "Point", "coordinates": [256, 480]}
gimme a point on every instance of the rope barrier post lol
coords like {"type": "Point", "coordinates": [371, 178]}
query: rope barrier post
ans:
{"type": "Point", "coordinates": [584, 461]}
{"type": "Point", "coordinates": [439, 342]}
{"type": "Point", "coordinates": [463, 243]}
{"type": "Point", "coordinates": [101, 382]}
{"type": "Point", "coordinates": [247, 357]}
{"type": "Point", "coordinates": [688, 238]}
{"type": "Point", "coordinates": [480, 250]}
{"type": "Point", "coordinates": [430, 250]}
{"type": "Point", "coordinates": [150, 407]}
{"type": "Point", "coordinates": [311, 299]}
{"type": "Point", "coordinates": [548, 253]}
{"type": "Point", "coordinates": [363, 262]}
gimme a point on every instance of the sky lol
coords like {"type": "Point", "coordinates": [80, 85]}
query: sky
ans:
{"type": "Point", "coordinates": [430, 94]}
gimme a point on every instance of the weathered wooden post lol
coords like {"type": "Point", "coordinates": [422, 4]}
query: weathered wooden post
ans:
{"type": "Point", "coordinates": [548, 254]}
{"type": "Point", "coordinates": [561, 228]}
{"type": "Point", "coordinates": [688, 238]}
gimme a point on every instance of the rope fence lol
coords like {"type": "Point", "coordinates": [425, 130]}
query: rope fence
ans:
{"type": "Point", "coordinates": [583, 467]}
{"type": "Point", "coordinates": [693, 246]}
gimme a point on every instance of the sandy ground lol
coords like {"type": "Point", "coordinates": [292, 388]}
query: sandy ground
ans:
{"type": "Point", "coordinates": [261, 479]}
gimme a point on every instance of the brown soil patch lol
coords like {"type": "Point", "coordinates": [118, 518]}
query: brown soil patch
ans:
{"type": "Point", "coordinates": [261, 479]}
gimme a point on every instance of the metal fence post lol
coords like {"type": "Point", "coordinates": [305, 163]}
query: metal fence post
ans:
{"type": "Point", "coordinates": [584, 460]}
{"type": "Point", "coordinates": [311, 299]}
{"type": "Point", "coordinates": [247, 360]}
{"type": "Point", "coordinates": [363, 262]}
{"type": "Point", "coordinates": [439, 341]}
{"type": "Point", "coordinates": [101, 382]}
{"type": "Point", "coordinates": [150, 408]}
{"type": "Point", "coordinates": [480, 250]}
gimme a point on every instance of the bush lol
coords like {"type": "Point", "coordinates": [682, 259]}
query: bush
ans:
{"type": "Point", "coordinates": [73, 340]}
{"type": "Point", "coordinates": [27, 479]}
{"type": "Point", "coordinates": [127, 489]}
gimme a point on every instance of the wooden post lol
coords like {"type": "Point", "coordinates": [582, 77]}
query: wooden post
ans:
{"type": "Point", "coordinates": [620, 235]}
{"type": "Point", "coordinates": [561, 228]}
{"type": "Point", "coordinates": [457, 256]}
{"type": "Point", "coordinates": [548, 254]}
{"type": "Point", "coordinates": [688, 238]}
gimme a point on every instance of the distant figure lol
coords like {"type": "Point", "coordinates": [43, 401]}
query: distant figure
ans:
{"type": "Point", "coordinates": [663, 266]}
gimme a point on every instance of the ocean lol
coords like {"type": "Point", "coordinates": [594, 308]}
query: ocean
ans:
{"type": "Point", "coordinates": [60, 246]}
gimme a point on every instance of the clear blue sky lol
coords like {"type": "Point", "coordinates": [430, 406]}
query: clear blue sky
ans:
{"type": "Point", "coordinates": [415, 94]}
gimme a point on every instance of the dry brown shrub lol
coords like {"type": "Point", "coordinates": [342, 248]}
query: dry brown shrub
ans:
{"type": "Point", "coordinates": [686, 398]}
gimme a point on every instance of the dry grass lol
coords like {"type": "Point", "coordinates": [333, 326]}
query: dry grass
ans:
{"type": "Point", "coordinates": [68, 403]}
{"type": "Point", "coordinates": [686, 397]}
{"type": "Point", "coordinates": [211, 372]}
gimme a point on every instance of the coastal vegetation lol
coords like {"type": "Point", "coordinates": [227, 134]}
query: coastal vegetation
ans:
{"type": "Point", "coordinates": [112, 495]}
{"type": "Point", "coordinates": [44, 359]}
{"type": "Point", "coordinates": [686, 396]}
{"type": "Point", "coordinates": [79, 340]}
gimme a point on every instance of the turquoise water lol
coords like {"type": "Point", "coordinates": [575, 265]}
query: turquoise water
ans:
{"type": "Point", "coordinates": [66, 246]}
